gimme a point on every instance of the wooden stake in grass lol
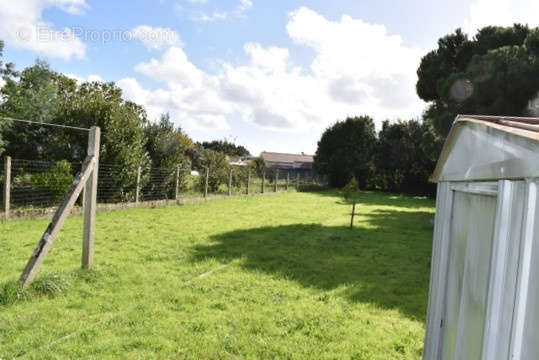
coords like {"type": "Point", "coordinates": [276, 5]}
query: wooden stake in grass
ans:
{"type": "Point", "coordinates": [351, 196]}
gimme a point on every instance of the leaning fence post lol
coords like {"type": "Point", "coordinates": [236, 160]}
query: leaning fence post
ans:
{"type": "Point", "coordinates": [287, 180]}
{"type": "Point", "coordinates": [137, 190]}
{"type": "Point", "coordinates": [90, 200]}
{"type": "Point", "coordinates": [276, 178]}
{"type": "Point", "coordinates": [248, 180]}
{"type": "Point", "coordinates": [263, 180]}
{"type": "Point", "coordinates": [7, 185]}
{"type": "Point", "coordinates": [230, 182]}
{"type": "Point", "coordinates": [206, 182]}
{"type": "Point", "coordinates": [177, 196]}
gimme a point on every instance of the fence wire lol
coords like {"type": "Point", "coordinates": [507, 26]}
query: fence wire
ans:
{"type": "Point", "coordinates": [43, 184]}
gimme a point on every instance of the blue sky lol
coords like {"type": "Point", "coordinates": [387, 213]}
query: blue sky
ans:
{"type": "Point", "coordinates": [271, 75]}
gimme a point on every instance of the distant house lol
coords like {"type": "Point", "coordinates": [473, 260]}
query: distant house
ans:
{"type": "Point", "coordinates": [292, 163]}
{"type": "Point", "coordinates": [238, 160]}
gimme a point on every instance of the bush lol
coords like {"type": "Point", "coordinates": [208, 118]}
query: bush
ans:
{"type": "Point", "coordinates": [218, 170]}
{"type": "Point", "coordinates": [56, 180]}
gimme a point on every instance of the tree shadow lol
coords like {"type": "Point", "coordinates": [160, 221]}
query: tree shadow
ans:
{"type": "Point", "coordinates": [378, 198]}
{"type": "Point", "coordinates": [385, 260]}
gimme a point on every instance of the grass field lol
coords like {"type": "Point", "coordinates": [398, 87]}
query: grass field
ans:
{"type": "Point", "coordinates": [271, 277]}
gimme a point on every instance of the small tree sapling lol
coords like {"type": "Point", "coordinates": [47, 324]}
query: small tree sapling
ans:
{"type": "Point", "coordinates": [350, 195]}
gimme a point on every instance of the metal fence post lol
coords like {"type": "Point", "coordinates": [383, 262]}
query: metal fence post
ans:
{"type": "Point", "coordinates": [276, 176]}
{"type": "Point", "coordinates": [248, 180]}
{"type": "Point", "coordinates": [90, 200]}
{"type": "Point", "coordinates": [263, 180]}
{"type": "Point", "coordinates": [206, 182]}
{"type": "Point", "coordinates": [137, 190]}
{"type": "Point", "coordinates": [287, 180]}
{"type": "Point", "coordinates": [7, 186]}
{"type": "Point", "coordinates": [177, 197]}
{"type": "Point", "coordinates": [230, 182]}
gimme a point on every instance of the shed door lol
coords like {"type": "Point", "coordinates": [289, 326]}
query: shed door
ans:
{"type": "Point", "coordinates": [472, 229]}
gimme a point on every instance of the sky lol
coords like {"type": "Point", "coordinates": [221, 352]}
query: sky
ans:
{"type": "Point", "coordinates": [270, 75]}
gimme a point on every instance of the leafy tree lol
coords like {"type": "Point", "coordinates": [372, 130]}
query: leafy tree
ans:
{"type": "Point", "coordinates": [122, 131]}
{"type": "Point", "coordinates": [32, 95]}
{"type": "Point", "coordinates": [402, 164]}
{"type": "Point", "coordinates": [226, 147]}
{"type": "Point", "coordinates": [168, 148]}
{"type": "Point", "coordinates": [218, 167]}
{"type": "Point", "coordinates": [350, 194]}
{"type": "Point", "coordinates": [258, 165]}
{"type": "Point", "coordinates": [40, 94]}
{"type": "Point", "coordinates": [2, 123]}
{"type": "Point", "coordinates": [55, 181]}
{"type": "Point", "coordinates": [495, 73]}
{"type": "Point", "coordinates": [346, 150]}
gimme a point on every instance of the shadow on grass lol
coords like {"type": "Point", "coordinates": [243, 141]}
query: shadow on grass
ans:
{"type": "Point", "coordinates": [385, 260]}
{"type": "Point", "coordinates": [383, 199]}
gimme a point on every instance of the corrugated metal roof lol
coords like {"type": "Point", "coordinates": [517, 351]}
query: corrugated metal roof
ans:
{"type": "Point", "coordinates": [286, 158]}
{"type": "Point", "coordinates": [507, 123]}
{"type": "Point", "coordinates": [482, 147]}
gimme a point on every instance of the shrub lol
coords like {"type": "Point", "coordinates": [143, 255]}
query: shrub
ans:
{"type": "Point", "coordinates": [56, 180]}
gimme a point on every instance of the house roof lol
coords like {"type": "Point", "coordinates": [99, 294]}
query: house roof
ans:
{"type": "Point", "coordinates": [489, 148]}
{"type": "Point", "coordinates": [286, 158]}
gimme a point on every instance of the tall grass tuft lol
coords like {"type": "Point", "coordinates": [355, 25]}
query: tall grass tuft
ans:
{"type": "Point", "coordinates": [46, 285]}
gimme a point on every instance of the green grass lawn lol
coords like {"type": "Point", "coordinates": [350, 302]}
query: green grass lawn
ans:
{"type": "Point", "coordinates": [272, 277]}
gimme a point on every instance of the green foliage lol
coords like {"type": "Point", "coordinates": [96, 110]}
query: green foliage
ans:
{"type": "Point", "coordinates": [239, 176]}
{"type": "Point", "coordinates": [500, 66]}
{"type": "Point", "coordinates": [218, 166]}
{"type": "Point", "coordinates": [41, 94]}
{"type": "Point", "coordinates": [168, 148]}
{"type": "Point", "coordinates": [350, 192]}
{"type": "Point", "coordinates": [405, 158]}
{"type": "Point", "coordinates": [226, 147]}
{"type": "Point", "coordinates": [257, 166]}
{"type": "Point", "coordinates": [346, 150]}
{"type": "Point", "coordinates": [55, 181]}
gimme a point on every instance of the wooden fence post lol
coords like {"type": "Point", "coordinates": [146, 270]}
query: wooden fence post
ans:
{"type": "Point", "coordinates": [177, 196]}
{"type": "Point", "coordinates": [7, 186]}
{"type": "Point", "coordinates": [287, 180]}
{"type": "Point", "coordinates": [50, 234]}
{"type": "Point", "coordinates": [137, 190]}
{"type": "Point", "coordinates": [230, 182]}
{"type": "Point", "coordinates": [263, 180]}
{"type": "Point", "coordinates": [206, 182]}
{"type": "Point", "coordinates": [276, 179]}
{"type": "Point", "coordinates": [248, 180]}
{"type": "Point", "coordinates": [297, 181]}
{"type": "Point", "coordinates": [90, 200]}
{"type": "Point", "coordinates": [353, 214]}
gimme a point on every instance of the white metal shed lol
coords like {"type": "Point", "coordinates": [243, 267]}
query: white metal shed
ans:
{"type": "Point", "coordinates": [484, 287]}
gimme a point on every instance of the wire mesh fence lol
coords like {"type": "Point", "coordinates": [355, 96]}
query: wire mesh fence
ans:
{"type": "Point", "coordinates": [38, 185]}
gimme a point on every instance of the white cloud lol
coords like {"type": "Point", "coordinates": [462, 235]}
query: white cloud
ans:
{"type": "Point", "coordinates": [501, 12]}
{"type": "Point", "coordinates": [218, 15]}
{"type": "Point", "coordinates": [358, 68]}
{"type": "Point", "coordinates": [2, 83]}
{"type": "Point", "coordinates": [89, 78]}
{"type": "Point", "coordinates": [22, 26]}
{"type": "Point", "coordinates": [155, 37]}
{"type": "Point", "coordinates": [244, 5]}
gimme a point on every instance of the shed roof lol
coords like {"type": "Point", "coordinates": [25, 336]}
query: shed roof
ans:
{"type": "Point", "coordinates": [489, 148]}
{"type": "Point", "coordinates": [286, 158]}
